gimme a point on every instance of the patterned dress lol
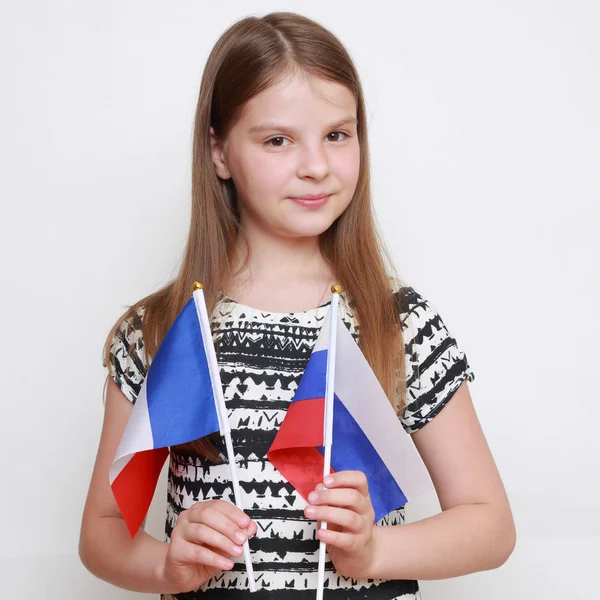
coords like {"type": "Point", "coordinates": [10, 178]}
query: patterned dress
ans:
{"type": "Point", "coordinates": [262, 356]}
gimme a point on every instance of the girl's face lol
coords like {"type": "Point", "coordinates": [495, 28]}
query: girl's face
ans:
{"type": "Point", "coordinates": [297, 138]}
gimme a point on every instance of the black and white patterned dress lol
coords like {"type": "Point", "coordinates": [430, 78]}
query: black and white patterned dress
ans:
{"type": "Point", "coordinates": [262, 356]}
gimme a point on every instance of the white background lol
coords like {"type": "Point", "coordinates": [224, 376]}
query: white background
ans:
{"type": "Point", "coordinates": [484, 128]}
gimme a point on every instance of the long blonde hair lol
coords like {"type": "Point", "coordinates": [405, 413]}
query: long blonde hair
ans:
{"type": "Point", "coordinates": [250, 56]}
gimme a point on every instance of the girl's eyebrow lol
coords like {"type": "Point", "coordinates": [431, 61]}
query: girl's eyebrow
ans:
{"type": "Point", "coordinates": [270, 126]}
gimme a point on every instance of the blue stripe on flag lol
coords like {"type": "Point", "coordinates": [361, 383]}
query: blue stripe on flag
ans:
{"type": "Point", "coordinates": [313, 382]}
{"type": "Point", "coordinates": [181, 403]}
{"type": "Point", "coordinates": [352, 450]}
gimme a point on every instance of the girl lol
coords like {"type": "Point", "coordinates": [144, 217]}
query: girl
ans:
{"type": "Point", "coordinates": [281, 210]}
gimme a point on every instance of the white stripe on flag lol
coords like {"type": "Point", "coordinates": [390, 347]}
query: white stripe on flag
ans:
{"type": "Point", "coordinates": [137, 435]}
{"type": "Point", "coordinates": [361, 393]}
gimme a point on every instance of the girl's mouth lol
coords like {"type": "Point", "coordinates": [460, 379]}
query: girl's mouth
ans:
{"type": "Point", "coordinates": [312, 202]}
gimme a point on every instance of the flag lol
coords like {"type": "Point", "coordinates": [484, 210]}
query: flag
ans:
{"type": "Point", "coordinates": [367, 434]}
{"type": "Point", "coordinates": [176, 404]}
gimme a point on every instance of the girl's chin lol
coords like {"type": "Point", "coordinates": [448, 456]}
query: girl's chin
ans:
{"type": "Point", "coordinates": [308, 227]}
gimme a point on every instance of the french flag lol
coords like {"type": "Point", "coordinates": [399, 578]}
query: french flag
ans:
{"type": "Point", "coordinates": [367, 435]}
{"type": "Point", "coordinates": [176, 404]}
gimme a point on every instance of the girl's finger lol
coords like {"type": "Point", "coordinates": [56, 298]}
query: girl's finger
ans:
{"type": "Point", "coordinates": [218, 551]}
{"type": "Point", "coordinates": [226, 508]}
{"type": "Point", "coordinates": [331, 526]}
{"type": "Point", "coordinates": [252, 529]}
{"type": "Point", "coordinates": [216, 519]}
{"type": "Point", "coordinates": [200, 533]}
{"type": "Point", "coordinates": [342, 517]}
{"type": "Point", "coordinates": [348, 479]}
{"type": "Point", "coordinates": [349, 542]}
{"type": "Point", "coordinates": [188, 552]}
{"type": "Point", "coordinates": [342, 497]}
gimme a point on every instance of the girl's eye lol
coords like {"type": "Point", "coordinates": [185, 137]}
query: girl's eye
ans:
{"type": "Point", "coordinates": [277, 142]}
{"type": "Point", "coordinates": [278, 138]}
{"type": "Point", "coordinates": [338, 133]}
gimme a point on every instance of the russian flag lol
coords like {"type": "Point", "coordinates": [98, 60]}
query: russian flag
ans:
{"type": "Point", "coordinates": [176, 404]}
{"type": "Point", "coordinates": [367, 434]}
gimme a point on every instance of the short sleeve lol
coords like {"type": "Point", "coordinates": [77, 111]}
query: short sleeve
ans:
{"type": "Point", "coordinates": [435, 365]}
{"type": "Point", "coordinates": [127, 365]}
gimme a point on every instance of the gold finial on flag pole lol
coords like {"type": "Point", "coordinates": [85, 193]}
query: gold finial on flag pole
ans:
{"type": "Point", "coordinates": [336, 289]}
{"type": "Point", "coordinates": [197, 285]}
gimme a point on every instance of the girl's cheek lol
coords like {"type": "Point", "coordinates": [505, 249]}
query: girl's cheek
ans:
{"type": "Point", "coordinates": [261, 179]}
{"type": "Point", "coordinates": [347, 165]}
{"type": "Point", "coordinates": [271, 168]}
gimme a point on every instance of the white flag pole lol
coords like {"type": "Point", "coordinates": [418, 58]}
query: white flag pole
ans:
{"type": "Point", "coordinates": [224, 428]}
{"type": "Point", "coordinates": [328, 421]}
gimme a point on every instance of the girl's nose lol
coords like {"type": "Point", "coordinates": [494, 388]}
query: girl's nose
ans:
{"type": "Point", "coordinates": [312, 162]}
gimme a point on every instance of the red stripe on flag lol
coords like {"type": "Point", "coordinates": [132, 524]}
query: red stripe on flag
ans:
{"type": "Point", "coordinates": [134, 486]}
{"type": "Point", "coordinates": [294, 451]}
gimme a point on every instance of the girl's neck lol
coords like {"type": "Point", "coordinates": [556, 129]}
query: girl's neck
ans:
{"type": "Point", "coordinates": [282, 275]}
{"type": "Point", "coordinates": [279, 260]}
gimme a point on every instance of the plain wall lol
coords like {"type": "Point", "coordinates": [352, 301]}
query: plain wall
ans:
{"type": "Point", "coordinates": [484, 131]}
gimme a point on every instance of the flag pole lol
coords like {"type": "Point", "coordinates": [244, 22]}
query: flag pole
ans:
{"type": "Point", "coordinates": [328, 420]}
{"type": "Point", "coordinates": [224, 428]}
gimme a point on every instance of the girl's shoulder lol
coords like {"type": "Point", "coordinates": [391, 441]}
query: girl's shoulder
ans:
{"type": "Point", "coordinates": [417, 313]}
{"type": "Point", "coordinates": [414, 309]}
{"type": "Point", "coordinates": [127, 361]}
{"type": "Point", "coordinates": [436, 364]}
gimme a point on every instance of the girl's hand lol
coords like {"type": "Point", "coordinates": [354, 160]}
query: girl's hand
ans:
{"type": "Point", "coordinates": [205, 536]}
{"type": "Point", "coordinates": [346, 507]}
